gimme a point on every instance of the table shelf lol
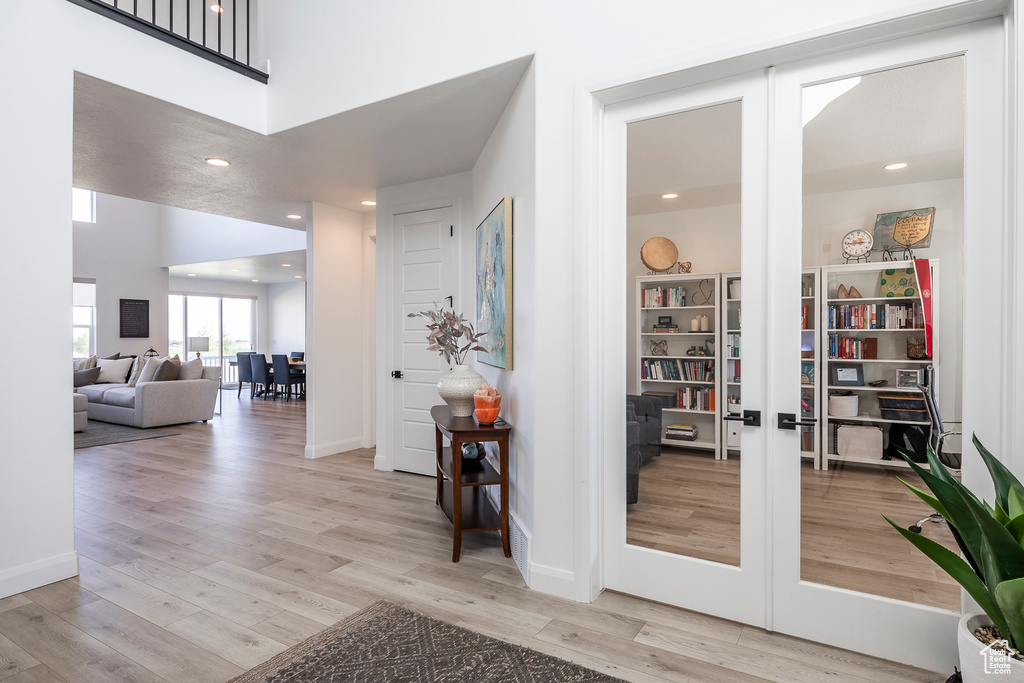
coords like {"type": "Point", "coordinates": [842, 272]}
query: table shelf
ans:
{"type": "Point", "coordinates": [474, 472]}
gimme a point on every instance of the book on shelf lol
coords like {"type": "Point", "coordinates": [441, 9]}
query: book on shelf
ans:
{"type": "Point", "coordinates": [804, 317]}
{"type": "Point", "coordinates": [663, 297]}
{"type": "Point", "coordinates": [901, 316]}
{"type": "Point", "coordinates": [696, 398]}
{"type": "Point", "coordinates": [681, 432]}
{"type": "Point", "coordinates": [852, 348]}
{"type": "Point", "coordinates": [732, 346]}
{"type": "Point", "coordinates": [665, 328]}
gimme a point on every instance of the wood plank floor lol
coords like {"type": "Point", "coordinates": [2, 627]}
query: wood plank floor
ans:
{"type": "Point", "coordinates": [689, 503]}
{"type": "Point", "coordinates": [206, 553]}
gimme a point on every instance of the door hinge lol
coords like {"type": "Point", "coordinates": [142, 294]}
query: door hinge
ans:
{"type": "Point", "coordinates": [451, 231]}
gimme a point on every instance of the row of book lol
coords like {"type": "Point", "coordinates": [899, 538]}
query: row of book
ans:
{"type": "Point", "coordinates": [902, 316]}
{"type": "Point", "coordinates": [806, 439]}
{"type": "Point", "coordinates": [663, 297]}
{"type": "Point", "coordinates": [681, 432]}
{"type": "Point", "coordinates": [694, 398]}
{"type": "Point", "coordinates": [678, 370]}
{"type": "Point", "coordinates": [732, 346]}
{"type": "Point", "coordinates": [851, 348]}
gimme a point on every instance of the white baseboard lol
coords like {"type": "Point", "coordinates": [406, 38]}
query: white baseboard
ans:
{"type": "Point", "coordinates": [553, 581]}
{"type": "Point", "coordinates": [381, 462]}
{"type": "Point", "coordinates": [35, 574]}
{"type": "Point", "coordinates": [321, 450]}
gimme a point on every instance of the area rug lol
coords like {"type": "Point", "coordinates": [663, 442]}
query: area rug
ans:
{"type": "Point", "coordinates": [104, 433]}
{"type": "Point", "coordinates": [386, 642]}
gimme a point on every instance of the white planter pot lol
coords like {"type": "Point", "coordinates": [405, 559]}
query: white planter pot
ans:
{"type": "Point", "coordinates": [978, 664]}
{"type": "Point", "coordinates": [457, 387]}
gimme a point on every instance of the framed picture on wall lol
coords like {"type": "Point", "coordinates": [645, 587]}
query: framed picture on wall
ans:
{"type": "Point", "coordinates": [494, 285]}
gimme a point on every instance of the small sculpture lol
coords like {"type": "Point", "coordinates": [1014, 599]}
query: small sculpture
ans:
{"type": "Point", "coordinates": [685, 266]}
{"type": "Point", "coordinates": [659, 347]}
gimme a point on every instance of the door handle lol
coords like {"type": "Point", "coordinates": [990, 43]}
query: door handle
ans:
{"type": "Point", "coordinates": [451, 303]}
{"type": "Point", "coordinates": [397, 374]}
{"type": "Point", "coordinates": [750, 418]}
{"type": "Point", "coordinates": [789, 422]}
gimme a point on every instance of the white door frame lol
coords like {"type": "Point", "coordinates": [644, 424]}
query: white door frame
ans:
{"type": "Point", "coordinates": [593, 239]}
{"type": "Point", "coordinates": [384, 459]}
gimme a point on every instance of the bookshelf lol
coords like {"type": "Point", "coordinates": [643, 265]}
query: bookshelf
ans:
{"type": "Point", "coordinates": [810, 364]}
{"type": "Point", "coordinates": [669, 368]}
{"type": "Point", "coordinates": [732, 360]}
{"type": "Point", "coordinates": [869, 332]}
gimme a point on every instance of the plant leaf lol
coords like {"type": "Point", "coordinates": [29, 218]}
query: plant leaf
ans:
{"type": "Point", "coordinates": [1016, 528]}
{"type": "Point", "coordinates": [1015, 502]}
{"type": "Point", "coordinates": [1009, 597]}
{"type": "Point", "coordinates": [1001, 476]}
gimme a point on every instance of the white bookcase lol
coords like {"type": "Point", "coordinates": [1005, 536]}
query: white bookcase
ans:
{"type": "Point", "coordinates": [732, 361]}
{"type": "Point", "coordinates": [681, 368]}
{"type": "Point", "coordinates": [890, 356]}
{"type": "Point", "coordinates": [810, 365]}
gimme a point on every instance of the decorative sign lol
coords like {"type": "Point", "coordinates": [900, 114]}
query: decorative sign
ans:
{"type": "Point", "coordinates": [904, 229]}
{"type": "Point", "coordinates": [134, 318]}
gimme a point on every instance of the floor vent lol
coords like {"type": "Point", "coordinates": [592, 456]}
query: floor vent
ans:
{"type": "Point", "coordinates": [520, 548]}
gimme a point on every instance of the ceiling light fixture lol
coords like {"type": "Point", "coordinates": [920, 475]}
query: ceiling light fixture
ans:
{"type": "Point", "coordinates": [213, 161]}
{"type": "Point", "coordinates": [895, 167]}
{"type": "Point", "coordinates": [369, 202]}
{"type": "Point", "coordinates": [191, 274]}
{"type": "Point", "coordinates": [293, 216]}
{"type": "Point", "coordinates": [298, 277]}
{"type": "Point", "coordinates": [216, 8]}
{"type": "Point", "coordinates": [670, 195]}
{"type": "Point", "coordinates": [255, 280]}
{"type": "Point", "coordinates": [286, 265]}
{"type": "Point", "coordinates": [236, 270]}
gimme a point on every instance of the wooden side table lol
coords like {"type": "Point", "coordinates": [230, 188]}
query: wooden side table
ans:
{"type": "Point", "coordinates": [461, 491]}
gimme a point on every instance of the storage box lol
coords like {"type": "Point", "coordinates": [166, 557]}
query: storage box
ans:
{"type": "Point", "coordinates": [894, 401]}
{"type": "Point", "coordinates": [667, 399]}
{"type": "Point", "coordinates": [908, 415]}
{"type": "Point", "coordinates": [843, 406]}
{"type": "Point", "coordinates": [859, 441]}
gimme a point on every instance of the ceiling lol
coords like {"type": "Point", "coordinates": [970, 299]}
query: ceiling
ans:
{"type": "Point", "coordinates": [268, 269]}
{"type": "Point", "coordinates": [132, 145]}
{"type": "Point", "coordinates": [913, 114]}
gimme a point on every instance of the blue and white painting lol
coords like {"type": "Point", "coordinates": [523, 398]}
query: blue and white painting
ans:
{"type": "Point", "coordinates": [494, 285]}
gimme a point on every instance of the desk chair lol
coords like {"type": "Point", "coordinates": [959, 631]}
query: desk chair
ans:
{"type": "Point", "coordinates": [937, 438]}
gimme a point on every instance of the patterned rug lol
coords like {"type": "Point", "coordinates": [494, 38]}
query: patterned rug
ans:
{"type": "Point", "coordinates": [385, 642]}
{"type": "Point", "coordinates": [103, 433]}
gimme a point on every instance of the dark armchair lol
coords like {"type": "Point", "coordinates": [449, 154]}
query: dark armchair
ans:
{"type": "Point", "coordinates": [643, 439]}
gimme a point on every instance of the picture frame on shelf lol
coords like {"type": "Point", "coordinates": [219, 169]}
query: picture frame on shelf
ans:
{"type": "Point", "coordinates": [847, 374]}
{"type": "Point", "coordinates": [664, 320]}
{"type": "Point", "coordinates": [908, 378]}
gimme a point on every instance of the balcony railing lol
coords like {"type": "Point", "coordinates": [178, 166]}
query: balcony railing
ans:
{"type": "Point", "coordinates": [217, 30]}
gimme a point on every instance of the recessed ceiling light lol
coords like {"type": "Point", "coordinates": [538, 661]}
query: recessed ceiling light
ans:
{"type": "Point", "coordinates": [895, 167]}
{"type": "Point", "coordinates": [216, 8]}
{"type": "Point", "coordinates": [236, 270]}
{"type": "Point", "coordinates": [286, 265]}
{"type": "Point", "coordinates": [191, 274]}
{"type": "Point", "coordinates": [213, 161]}
{"type": "Point", "coordinates": [255, 280]}
{"type": "Point", "coordinates": [670, 195]}
{"type": "Point", "coordinates": [369, 202]}
{"type": "Point", "coordinates": [298, 277]}
{"type": "Point", "coordinates": [293, 216]}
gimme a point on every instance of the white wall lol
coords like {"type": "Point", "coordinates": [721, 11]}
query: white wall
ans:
{"type": "Point", "coordinates": [286, 305]}
{"type": "Point", "coordinates": [121, 252]}
{"type": "Point", "coordinates": [196, 237]}
{"type": "Point", "coordinates": [336, 400]}
{"type": "Point", "coordinates": [198, 285]}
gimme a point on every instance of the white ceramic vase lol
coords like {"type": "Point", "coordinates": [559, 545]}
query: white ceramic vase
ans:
{"type": "Point", "coordinates": [977, 663]}
{"type": "Point", "coordinates": [457, 387]}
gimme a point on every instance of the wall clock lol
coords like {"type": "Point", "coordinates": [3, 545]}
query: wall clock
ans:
{"type": "Point", "coordinates": [857, 245]}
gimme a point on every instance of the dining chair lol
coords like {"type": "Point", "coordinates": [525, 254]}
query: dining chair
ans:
{"type": "Point", "coordinates": [245, 372]}
{"type": "Point", "coordinates": [284, 375]}
{"type": "Point", "coordinates": [301, 355]}
{"type": "Point", "coordinates": [261, 374]}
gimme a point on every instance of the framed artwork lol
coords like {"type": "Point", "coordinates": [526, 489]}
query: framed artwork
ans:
{"type": "Point", "coordinates": [807, 373]}
{"type": "Point", "coordinates": [134, 318]}
{"type": "Point", "coordinates": [908, 379]}
{"type": "Point", "coordinates": [847, 374]}
{"type": "Point", "coordinates": [910, 229]}
{"type": "Point", "coordinates": [494, 285]}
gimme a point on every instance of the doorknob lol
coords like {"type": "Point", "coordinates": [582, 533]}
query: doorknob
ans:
{"type": "Point", "coordinates": [397, 374]}
{"type": "Point", "coordinates": [750, 418]}
{"type": "Point", "coordinates": [451, 303]}
{"type": "Point", "coordinates": [789, 422]}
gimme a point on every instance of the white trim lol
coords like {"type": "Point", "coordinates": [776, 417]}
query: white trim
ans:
{"type": "Point", "coordinates": [39, 573]}
{"type": "Point", "coordinates": [558, 582]}
{"type": "Point", "coordinates": [322, 450]}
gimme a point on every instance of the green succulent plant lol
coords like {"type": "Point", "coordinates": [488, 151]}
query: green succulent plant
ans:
{"type": "Point", "coordinates": [991, 539]}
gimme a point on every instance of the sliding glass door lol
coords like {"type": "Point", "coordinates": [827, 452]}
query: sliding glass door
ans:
{"type": "Point", "coordinates": [215, 327]}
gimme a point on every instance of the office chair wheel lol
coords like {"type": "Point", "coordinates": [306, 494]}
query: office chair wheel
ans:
{"type": "Point", "coordinates": [934, 517]}
{"type": "Point", "coordinates": [915, 528]}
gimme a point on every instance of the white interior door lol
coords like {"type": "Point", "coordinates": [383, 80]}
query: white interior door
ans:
{"type": "Point", "coordinates": [695, 534]}
{"type": "Point", "coordinates": [886, 601]}
{"type": "Point", "coordinates": [423, 280]}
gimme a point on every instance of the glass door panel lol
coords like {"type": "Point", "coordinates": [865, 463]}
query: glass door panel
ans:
{"type": "Point", "coordinates": [237, 333]}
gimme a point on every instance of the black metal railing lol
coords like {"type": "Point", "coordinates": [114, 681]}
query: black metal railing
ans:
{"type": "Point", "coordinates": [218, 30]}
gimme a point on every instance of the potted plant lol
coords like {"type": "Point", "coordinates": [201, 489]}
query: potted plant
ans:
{"type": "Point", "coordinates": [453, 338]}
{"type": "Point", "coordinates": [992, 567]}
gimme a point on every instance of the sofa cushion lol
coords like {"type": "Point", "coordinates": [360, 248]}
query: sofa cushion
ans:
{"type": "Point", "coordinates": [85, 377]}
{"type": "Point", "coordinates": [167, 370]}
{"type": "Point", "coordinates": [113, 371]}
{"type": "Point", "coordinates": [121, 396]}
{"type": "Point", "coordinates": [192, 369]}
{"type": "Point", "coordinates": [113, 356]}
{"type": "Point", "coordinates": [81, 402]}
{"type": "Point", "coordinates": [137, 366]}
{"type": "Point", "coordinates": [95, 391]}
{"type": "Point", "coordinates": [85, 363]}
{"type": "Point", "coordinates": [149, 370]}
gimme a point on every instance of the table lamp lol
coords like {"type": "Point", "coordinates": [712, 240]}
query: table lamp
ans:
{"type": "Point", "coordinates": [198, 344]}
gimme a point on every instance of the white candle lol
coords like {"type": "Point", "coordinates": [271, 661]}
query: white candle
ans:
{"type": "Point", "coordinates": [694, 324]}
{"type": "Point", "coordinates": [703, 323]}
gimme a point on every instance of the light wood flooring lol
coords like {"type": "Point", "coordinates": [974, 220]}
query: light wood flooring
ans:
{"type": "Point", "coordinates": [206, 553]}
{"type": "Point", "coordinates": [689, 503]}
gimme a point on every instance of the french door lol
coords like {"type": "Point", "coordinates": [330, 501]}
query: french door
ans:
{"type": "Point", "coordinates": [753, 505]}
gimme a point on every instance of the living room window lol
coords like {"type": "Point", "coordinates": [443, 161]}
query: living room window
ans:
{"type": "Point", "coordinates": [83, 205]}
{"type": "Point", "coordinates": [83, 318]}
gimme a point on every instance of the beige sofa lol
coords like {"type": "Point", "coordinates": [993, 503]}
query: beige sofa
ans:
{"type": "Point", "coordinates": [154, 404]}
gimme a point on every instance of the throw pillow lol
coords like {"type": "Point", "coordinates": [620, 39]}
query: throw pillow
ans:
{"type": "Point", "coordinates": [85, 363]}
{"type": "Point", "coordinates": [193, 369]}
{"type": "Point", "coordinates": [84, 377]}
{"type": "Point", "coordinates": [137, 365]}
{"type": "Point", "coordinates": [113, 371]}
{"type": "Point", "coordinates": [167, 370]}
{"type": "Point", "coordinates": [115, 356]}
{"type": "Point", "coordinates": [149, 369]}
